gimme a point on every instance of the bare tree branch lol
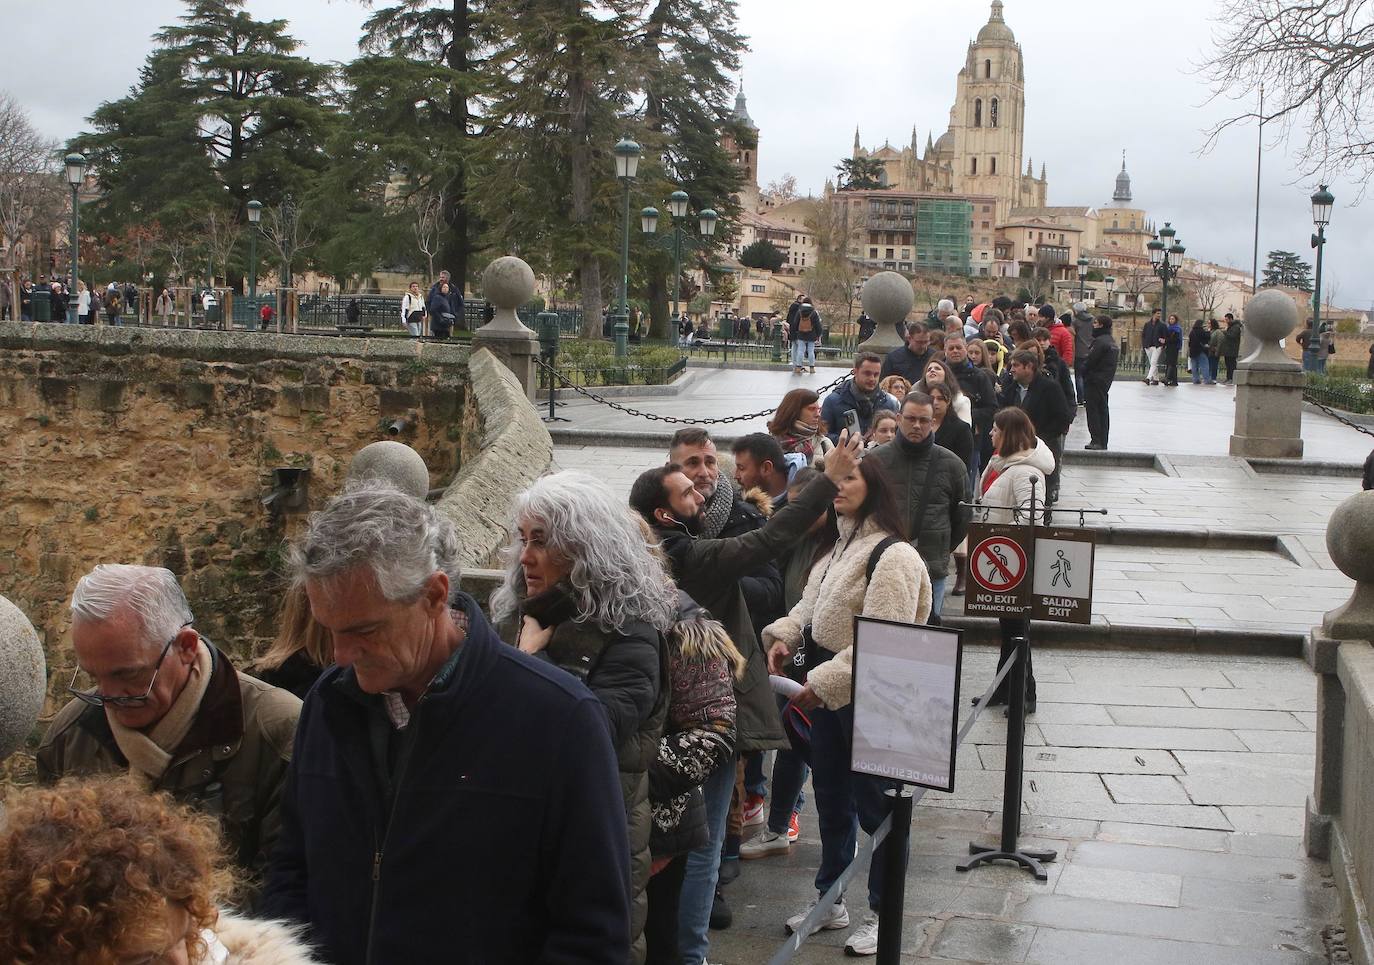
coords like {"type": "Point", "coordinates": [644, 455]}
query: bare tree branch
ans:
{"type": "Point", "coordinates": [33, 198]}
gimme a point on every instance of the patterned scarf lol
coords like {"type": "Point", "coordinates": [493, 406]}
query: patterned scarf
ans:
{"type": "Point", "coordinates": [801, 439]}
{"type": "Point", "coordinates": [718, 508]}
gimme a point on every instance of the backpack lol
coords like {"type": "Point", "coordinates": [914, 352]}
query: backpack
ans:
{"type": "Point", "coordinates": [804, 322]}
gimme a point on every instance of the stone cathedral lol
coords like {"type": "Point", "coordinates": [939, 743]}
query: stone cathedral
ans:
{"type": "Point", "coordinates": [981, 152]}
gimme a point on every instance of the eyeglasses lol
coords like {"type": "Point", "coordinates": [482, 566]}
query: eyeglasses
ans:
{"type": "Point", "coordinates": [913, 420]}
{"type": "Point", "coordinates": [100, 700]}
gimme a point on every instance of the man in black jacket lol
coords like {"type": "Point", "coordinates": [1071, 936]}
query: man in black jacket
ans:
{"type": "Point", "coordinates": [1044, 402]}
{"type": "Point", "coordinates": [710, 571]}
{"type": "Point", "coordinates": [450, 798]}
{"type": "Point", "coordinates": [909, 360]}
{"type": "Point", "coordinates": [1099, 369]}
{"type": "Point", "coordinates": [1230, 346]}
{"type": "Point", "coordinates": [1152, 339]}
{"type": "Point", "coordinates": [976, 383]}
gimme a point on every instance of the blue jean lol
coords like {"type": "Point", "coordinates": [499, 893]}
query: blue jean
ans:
{"type": "Point", "coordinates": [1200, 366]}
{"type": "Point", "coordinates": [754, 781]}
{"type": "Point", "coordinates": [845, 801]}
{"type": "Point", "coordinates": [703, 866]}
{"type": "Point", "coordinates": [937, 595]}
{"type": "Point", "coordinates": [802, 351]}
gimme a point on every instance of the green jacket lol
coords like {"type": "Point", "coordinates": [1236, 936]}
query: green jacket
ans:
{"type": "Point", "coordinates": [946, 521]}
{"type": "Point", "coordinates": [709, 571]}
{"type": "Point", "coordinates": [231, 764]}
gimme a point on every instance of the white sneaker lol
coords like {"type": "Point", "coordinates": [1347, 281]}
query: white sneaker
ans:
{"type": "Point", "coordinates": [838, 918]}
{"type": "Point", "coordinates": [763, 844]}
{"type": "Point", "coordinates": [864, 940]}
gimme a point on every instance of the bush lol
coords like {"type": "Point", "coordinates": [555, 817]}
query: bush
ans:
{"type": "Point", "coordinates": [1350, 394]}
{"type": "Point", "coordinates": [592, 362]}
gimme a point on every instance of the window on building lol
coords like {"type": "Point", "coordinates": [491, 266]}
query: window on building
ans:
{"type": "Point", "coordinates": [983, 254]}
{"type": "Point", "coordinates": [873, 252]}
{"type": "Point", "coordinates": [1028, 252]}
{"type": "Point", "coordinates": [978, 112]}
{"type": "Point", "coordinates": [992, 165]}
{"type": "Point", "coordinates": [987, 208]}
{"type": "Point", "coordinates": [986, 225]}
{"type": "Point", "coordinates": [973, 165]}
{"type": "Point", "coordinates": [888, 254]}
{"type": "Point", "coordinates": [906, 252]}
{"type": "Point", "coordinates": [758, 289]}
{"type": "Point", "coordinates": [904, 266]}
{"type": "Point", "coordinates": [987, 68]}
{"type": "Point", "coordinates": [992, 113]}
{"type": "Point", "coordinates": [1114, 224]}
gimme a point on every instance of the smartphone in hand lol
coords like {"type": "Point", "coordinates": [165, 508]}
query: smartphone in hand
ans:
{"type": "Point", "coordinates": [851, 422]}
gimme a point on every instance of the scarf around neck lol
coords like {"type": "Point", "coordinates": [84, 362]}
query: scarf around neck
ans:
{"type": "Point", "coordinates": [150, 752]}
{"type": "Point", "coordinates": [718, 508]}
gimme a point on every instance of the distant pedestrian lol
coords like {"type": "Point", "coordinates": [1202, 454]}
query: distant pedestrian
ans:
{"type": "Point", "coordinates": [1230, 345]}
{"type": "Point", "coordinates": [1173, 345]}
{"type": "Point", "coordinates": [83, 304]}
{"type": "Point", "coordinates": [441, 312]}
{"type": "Point", "coordinates": [1198, 340]}
{"type": "Point", "coordinates": [1152, 339]}
{"type": "Point", "coordinates": [866, 327]}
{"type": "Point", "coordinates": [453, 295]}
{"type": "Point", "coordinates": [803, 333]}
{"type": "Point", "coordinates": [412, 311]}
{"type": "Point", "coordinates": [1099, 369]}
{"type": "Point", "coordinates": [1082, 341]}
{"type": "Point", "coordinates": [1061, 336]}
{"type": "Point", "coordinates": [1215, 336]}
{"type": "Point", "coordinates": [164, 307]}
{"type": "Point", "coordinates": [1043, 399]}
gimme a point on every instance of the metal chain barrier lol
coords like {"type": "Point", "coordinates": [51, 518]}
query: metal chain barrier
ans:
{"type": "Point", "coordinates": [567, 384]}
{"type": "Point", "coordinates": [1335, 414]}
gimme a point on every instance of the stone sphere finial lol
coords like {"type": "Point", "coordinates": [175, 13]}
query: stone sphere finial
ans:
{"type": "Point", "coordinates": [507, 283]}
{"type": "Point", "coordinates": [1270, 316]}
{"type": "Point", "coordinates": [392, 462]}
{"type": "Point", "coordinates": [1350, 543]}
{"type": "Point", "coordinates": [887, 299]}
{"type": "Point", "coordinates": [23, 678]}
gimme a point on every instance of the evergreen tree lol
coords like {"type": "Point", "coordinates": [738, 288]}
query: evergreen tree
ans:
{"type": "Point", "coordinates": [224, 105]}
{"type": "Point", "coordinates": [861, 174]}
{"type": "Point", "coordinates": [1286, 269]}
{"type": "Point", "coordinates": [762, 254]}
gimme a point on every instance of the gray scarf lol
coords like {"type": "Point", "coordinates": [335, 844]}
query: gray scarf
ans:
{"type": "Point", "coordinates": [718, 508]}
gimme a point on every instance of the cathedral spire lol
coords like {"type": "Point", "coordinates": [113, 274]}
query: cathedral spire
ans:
{"type": "Point", "coordinates": [856, 140]}
{"type": "Point", "coordinates": [1121, 197]}
{"type": "Point", "coordinates": [1030, 168]}
{"type": "Point", "coordinates": [1042, 170]}
{"type": "Point", "coordinates": [915, 144]}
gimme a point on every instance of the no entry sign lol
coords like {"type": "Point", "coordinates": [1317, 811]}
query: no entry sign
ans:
{"type": "Point", "coordinates": [999, 563]}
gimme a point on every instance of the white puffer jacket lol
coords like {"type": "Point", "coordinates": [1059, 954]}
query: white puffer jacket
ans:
{"type": "Point", "coordinates": [1012, 487]}
{"type": "Point", "coordinates": [838, 589]}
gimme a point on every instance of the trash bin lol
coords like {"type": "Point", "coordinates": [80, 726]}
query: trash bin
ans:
{"type": "Point", "coordinates": [212, 313]}
{"type": "Point", "coordinates": [42, 305]}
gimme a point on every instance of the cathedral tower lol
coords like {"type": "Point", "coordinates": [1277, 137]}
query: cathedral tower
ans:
{"type": "Point", "coordinates": [987, 122]}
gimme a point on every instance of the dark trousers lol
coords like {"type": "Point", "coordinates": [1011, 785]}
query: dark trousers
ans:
{"type": "Point", "coordinates": [660, 926]}
{"type": "Point", "coordinates": [1056, 444]}
{"type": "Point", "coordinates": [1078, 364]}
{"type": "Point", "coordinates": [789, 775]}
{"type": "Point", "coordinates": [1099, 419]}
{"type": "Point", "coordinates": [1012, 628]}
{"type": "Point", "coordinates": [845, 801]}
{"type": "Point", "coordinates": [1170, 365]}
{"type": "Point", "coordinates": [1230, 367]}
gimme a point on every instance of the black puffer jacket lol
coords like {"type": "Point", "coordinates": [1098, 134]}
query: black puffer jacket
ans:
{"type": "Point", "coordinates": [699, 737]}
{"type": "Point", "coordinates": [627, 671]}
{"type": "Point", "coordinates": [709, 571]}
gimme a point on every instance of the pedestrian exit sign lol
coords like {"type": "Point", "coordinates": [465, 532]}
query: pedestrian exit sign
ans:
{"type": "Point", "coordinates": [1062, 577]}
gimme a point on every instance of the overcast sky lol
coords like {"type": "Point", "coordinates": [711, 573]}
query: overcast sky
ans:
{"type": "Point", "coordinates": [1100, 77]}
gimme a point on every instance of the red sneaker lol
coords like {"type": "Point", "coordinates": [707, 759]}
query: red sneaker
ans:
{"type": "Point", "coordinates": [753, 810]}
{"type": "Point", "coordinates": [793, 829]}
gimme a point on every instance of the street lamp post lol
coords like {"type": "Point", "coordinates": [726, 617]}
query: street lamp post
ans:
{"type": "Point", "coordinates": [1110, 282]}
{"type": "Point", "coordinates": [626, 167]}
{"type": "Point", "coordinates": [254, 216]}
{"type": "Point", "coordinates": [1313, 358]}
{"type": "Point", "coordinates": [677, 206]}
{"type": "Point", "coordinates": [76, 171]}
{"type": "Point", "coordinates": [1166, 256]}
{"type": "Point", "coordinates": [1082, 276]}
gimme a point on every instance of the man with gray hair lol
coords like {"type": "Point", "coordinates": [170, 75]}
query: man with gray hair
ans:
{"type": "Point", "coordinates": [157, 699]}
{"type": "Point", "coordinates": [451, 798]}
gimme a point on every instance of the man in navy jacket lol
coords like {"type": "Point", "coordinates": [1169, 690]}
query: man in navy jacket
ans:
{"type": "Point", "coordinates": [450, 799]}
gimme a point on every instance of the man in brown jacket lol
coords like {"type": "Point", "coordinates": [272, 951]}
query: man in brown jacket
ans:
{"type": "Point", "coordinates": [156, 699]}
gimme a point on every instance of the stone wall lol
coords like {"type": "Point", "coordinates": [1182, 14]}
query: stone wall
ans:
{"type": "Point", "coordinates": [158, 446]}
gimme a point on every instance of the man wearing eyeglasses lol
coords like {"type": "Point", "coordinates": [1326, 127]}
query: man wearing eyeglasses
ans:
{"type": "Point", "coordinates": [155, 698]}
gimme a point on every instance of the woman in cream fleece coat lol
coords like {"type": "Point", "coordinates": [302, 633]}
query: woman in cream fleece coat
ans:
{"type": "Point", "coordinates": [838, 589]}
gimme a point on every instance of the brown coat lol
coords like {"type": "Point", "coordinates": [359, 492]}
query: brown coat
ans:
{"type": "Point", "coordinates": [232, 762]}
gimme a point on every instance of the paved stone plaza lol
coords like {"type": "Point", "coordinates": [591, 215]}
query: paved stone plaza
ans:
{"type": "Point", "coordinates": [1172, 784]}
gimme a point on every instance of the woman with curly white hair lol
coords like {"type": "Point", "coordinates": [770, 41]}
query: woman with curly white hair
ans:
{"type": "Point", "coordinates": [584, 590]}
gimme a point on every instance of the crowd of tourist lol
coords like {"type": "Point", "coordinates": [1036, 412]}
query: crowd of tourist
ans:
{"type": "Point", "coordinates": [566, 773]}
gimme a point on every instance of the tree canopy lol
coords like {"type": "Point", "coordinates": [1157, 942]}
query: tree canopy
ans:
{"type": "Point", "coordinates": [762, 254]}
{"type": "Point", "coordinates": [861, 174]}
{"type": "Point", "coordinates": [1286, 269]}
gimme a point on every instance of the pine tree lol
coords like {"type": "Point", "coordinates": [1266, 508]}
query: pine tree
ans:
{"type": "Point", "coordinates": [861, 174]}
{"type": "Point", "coordinates": [762, 254]}
{"type": "Point", "coordinates": [1286, 269]}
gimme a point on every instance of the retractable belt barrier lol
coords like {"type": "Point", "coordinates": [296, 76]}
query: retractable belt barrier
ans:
{"type": "Point", "coordinates": [903, 804]}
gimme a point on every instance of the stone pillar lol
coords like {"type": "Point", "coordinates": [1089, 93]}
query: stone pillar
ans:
{"type": "Point", "coordinates": [508, 283]}
{"type": "Point", "coordinates": [1340, 811]}
{"type": "Point", "coordinates": [23, 678]}
{"type": "Point", "coordinates": [887, 298]}
{"type": "Point", "coordinates": [1269, 384]}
